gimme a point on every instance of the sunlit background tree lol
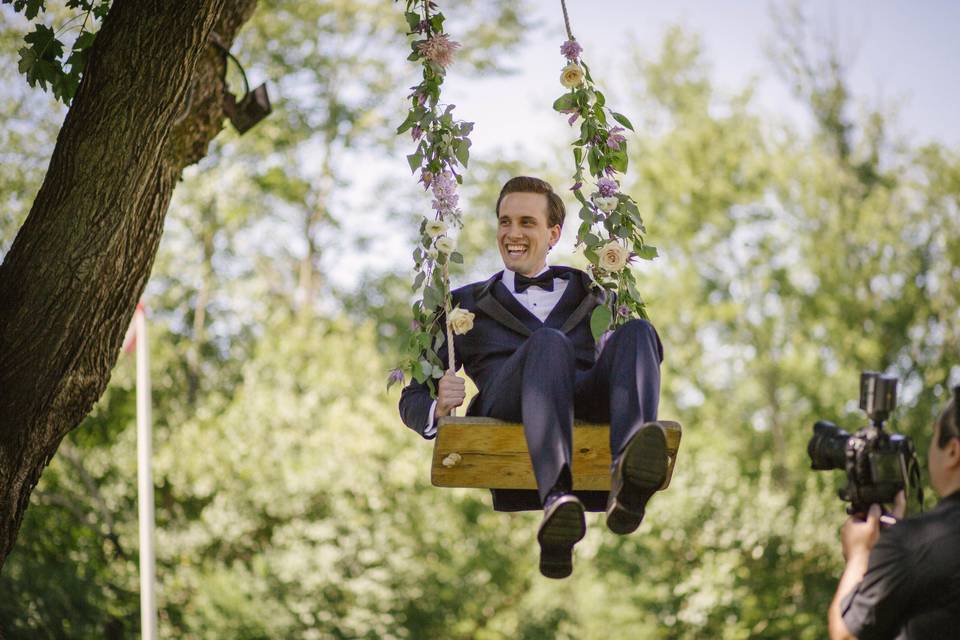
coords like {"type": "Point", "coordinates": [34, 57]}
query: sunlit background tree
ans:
{"type": "Point", "coordinates": [291, 503]}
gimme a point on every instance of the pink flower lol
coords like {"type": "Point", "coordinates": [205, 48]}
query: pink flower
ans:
{"type": "Point", "coordinates": [571, 50]}
{"type": "Point", "coordinates": [573, 118]}
{"type": "Point", "coordinates": [438, 49]}
{"type": "Point", "coordinates": [615, 138]}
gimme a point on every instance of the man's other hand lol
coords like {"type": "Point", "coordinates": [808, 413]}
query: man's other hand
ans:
{"type": "Point", "coordinates": [858, 536]}
{"type": "Point", "coordinates": [451, 392]}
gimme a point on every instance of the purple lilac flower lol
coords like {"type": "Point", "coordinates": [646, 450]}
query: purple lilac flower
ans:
{"type": "Point", "coordinates": [395, 376]}
{"type": "Point", "coordinates": [624, 310]}
{"type": "Point", "coordinates": [610, 171]}
{"type": "Point", "coordinates": [615, 138]}
{"type": "Point", "coordinates": [576, 185]}
{"type": "Point", "coordinates": [416, 132]}
{"type": "Point", "coordinates": [607, 187]}
{"type": "Point", "coordinates": [445, 196]}
{"type": "Point", "coordinates": [571, 50]}
{"type": "Point", "coordinates": [573, 118]}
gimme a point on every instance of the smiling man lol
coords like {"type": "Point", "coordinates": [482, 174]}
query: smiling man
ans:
{"type": "Point", "coordinates": [533, 358]}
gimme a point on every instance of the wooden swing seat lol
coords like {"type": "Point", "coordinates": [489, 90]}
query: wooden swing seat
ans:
{"type": "Point", "coordinates": [492, 454]}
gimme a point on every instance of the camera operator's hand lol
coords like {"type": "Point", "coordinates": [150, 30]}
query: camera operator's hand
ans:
{"type": "Point", "coordinates": [900, 505]}
{"type": "Point", "coordinates": [858, 535]}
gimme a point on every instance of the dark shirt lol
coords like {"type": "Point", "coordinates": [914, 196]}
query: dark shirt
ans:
{"type": "Point", "coordinates": [912, 585]}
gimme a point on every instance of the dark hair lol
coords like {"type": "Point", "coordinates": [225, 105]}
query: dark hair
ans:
{"type": "Point", "coordinates": [947, 421]}
{"type": "Point", "coordinates": [556, 212]}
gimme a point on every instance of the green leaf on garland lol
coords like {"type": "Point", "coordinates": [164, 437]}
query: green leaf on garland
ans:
{"type": "Point", "coordinates": [456, 257]}
{"type": "Point", "coordinates": [419, 280]}
{"type": "Point", "coordinates": [564, 103]}
{"type": "Point", "coordinates": [461, 149]}
{"type": "Point", "coordinates": [600, 320]}
{"type": "Point", "coordinates": [408, 123]}
{"type": "Point", "coordinates": [415, 159]}
{"type": "Point", "coordinates": [648, 252]}
{"type": "Point", "coordinates": [619, 160]}
{"type": "Point", "coordinates": [622, 119]}
{"type": "Point", "coordinates": [413, 19]}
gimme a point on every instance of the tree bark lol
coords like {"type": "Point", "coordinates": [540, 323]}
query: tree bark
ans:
{"type": "Point", "coordinates": [148, 106]}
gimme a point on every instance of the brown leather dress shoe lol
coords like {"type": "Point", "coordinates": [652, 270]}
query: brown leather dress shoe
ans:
{"type": "Point", "coordinates": [562, 527]}
{"type": "Point", "coordinates": [637, 474]}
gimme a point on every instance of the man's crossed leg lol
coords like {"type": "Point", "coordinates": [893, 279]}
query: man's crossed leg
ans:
{"type": "Point", "coordinates": [540, 386]}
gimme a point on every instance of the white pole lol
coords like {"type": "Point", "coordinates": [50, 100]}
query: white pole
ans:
{"type": "Point", "coordinates": [148, 605]}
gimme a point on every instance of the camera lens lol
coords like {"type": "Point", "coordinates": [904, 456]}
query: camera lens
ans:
{"type": "Point", "coordinates": [827, 447]}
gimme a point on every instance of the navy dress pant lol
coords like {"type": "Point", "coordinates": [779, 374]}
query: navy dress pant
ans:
{"type": "Point", "coordinates": [540, 386]}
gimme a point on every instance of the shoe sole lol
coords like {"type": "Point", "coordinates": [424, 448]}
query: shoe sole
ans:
{"type": "Point", "coordinates": [644, 469]}
{"type": "Point", "coordinates": [557, 537]}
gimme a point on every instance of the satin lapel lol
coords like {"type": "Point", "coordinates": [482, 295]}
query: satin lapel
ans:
{"type": "Point", "coordinates": [595, 297]}
{"type": "Point", "coordinates": [567, 304]}
{"type": "Point", "coordinates": [492, 307]}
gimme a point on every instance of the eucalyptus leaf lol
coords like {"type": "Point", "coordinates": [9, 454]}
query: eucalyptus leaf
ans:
{"type": "Point", "coordinates": [600, 321]}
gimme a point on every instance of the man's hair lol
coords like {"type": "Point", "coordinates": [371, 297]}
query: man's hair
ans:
{"type": "Point", "coordinates": [556, 212]}
{"type": "Point", "coordinates": [947, 422]}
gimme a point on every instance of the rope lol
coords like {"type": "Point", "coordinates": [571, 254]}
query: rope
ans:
{"type": "Point", "coordinates": [566, 20]}
{"type": "Point", "coordinates": [451, 359]}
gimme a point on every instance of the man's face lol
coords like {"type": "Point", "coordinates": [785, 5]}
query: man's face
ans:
{"type": "Point", "coordinates": [523, 234]}
{"type": "Point", "coordinates": [940, 461]}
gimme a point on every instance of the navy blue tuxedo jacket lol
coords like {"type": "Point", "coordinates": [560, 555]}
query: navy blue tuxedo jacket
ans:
{"type": "Point", "coordinates": [501, 325]}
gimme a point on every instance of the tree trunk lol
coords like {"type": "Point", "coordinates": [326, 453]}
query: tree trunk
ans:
{"type": "Point", "coordinates": [148, 106]}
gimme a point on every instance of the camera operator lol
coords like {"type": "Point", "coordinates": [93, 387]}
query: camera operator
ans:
{"type": "Point", "coordinates": [904, 581]}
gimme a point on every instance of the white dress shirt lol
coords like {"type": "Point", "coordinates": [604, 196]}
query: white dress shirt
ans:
{"type": "Point", "coordinates": [536, 300]}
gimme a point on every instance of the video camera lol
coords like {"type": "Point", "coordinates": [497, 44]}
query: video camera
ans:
{"type": "Point", "coordinates": [878, 464]}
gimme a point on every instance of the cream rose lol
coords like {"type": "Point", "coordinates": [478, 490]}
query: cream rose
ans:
{"type": "Point", "coordinates": [571, 76]}
{"type": "Point", "coordinates": [435, 228]}
{"type": "Point", "coordinates": [446, 245]}
{"type": "Point", "coordinates": [461, 321]}
{"type": "Point", "coordinates": [607, 204]}
{"type": "Point", "coordinates": [613, 256]}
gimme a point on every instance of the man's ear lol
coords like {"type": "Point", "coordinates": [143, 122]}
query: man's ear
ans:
{"type": "Point", "coordinates": [953, 453]}
{"type": "Point", "coordinates": [555, 232]}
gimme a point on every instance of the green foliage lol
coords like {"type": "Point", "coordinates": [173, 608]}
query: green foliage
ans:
{"type": "Point", "coordinates": [290, 501]}
{"type": "Point", "coordinates": [42, 61]}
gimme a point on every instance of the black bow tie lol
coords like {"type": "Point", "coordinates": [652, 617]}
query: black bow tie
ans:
{"type": "Point", "coordinates": [545, 281]}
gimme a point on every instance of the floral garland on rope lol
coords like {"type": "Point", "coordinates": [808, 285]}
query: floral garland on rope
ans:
{"type": "Point", "coordinates": [442, 145]}
{"type": "Point", "coordinates": [611, 230]}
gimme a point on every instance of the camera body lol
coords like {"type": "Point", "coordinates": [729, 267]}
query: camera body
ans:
{"type": "Point", "coordinates": [879, 464]}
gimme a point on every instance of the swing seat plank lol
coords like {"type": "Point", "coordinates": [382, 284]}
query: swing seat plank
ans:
{"type": "Point", "coordinates": [492, 454]}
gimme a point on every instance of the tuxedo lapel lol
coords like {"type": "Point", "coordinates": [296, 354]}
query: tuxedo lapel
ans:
{"type": "Point", "coordinates": [567, 304]}
{"type": "Point", "coordinates": [594, 297]}
{"type": "Point", "coordinates": [488, 303]}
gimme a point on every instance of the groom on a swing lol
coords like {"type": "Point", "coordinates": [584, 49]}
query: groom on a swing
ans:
{"type": "Point", "coordinates": [534, 360]}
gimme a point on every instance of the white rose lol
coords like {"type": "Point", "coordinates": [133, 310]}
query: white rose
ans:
{"type": "Point", "coordinates": [613, 256]}
{"type": "Point", "coordinates": [571, 76]}
{"type": "Point", "coordinates": [433, 253]}
{"type": "Point", "coordinates": [607, 204]}
{"type": "Point", "coordinates": [446, 245]}
{"type": "Point", "coordinates": [435, 228]}
{"type": "Point", "coordinates": [460, 321]}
